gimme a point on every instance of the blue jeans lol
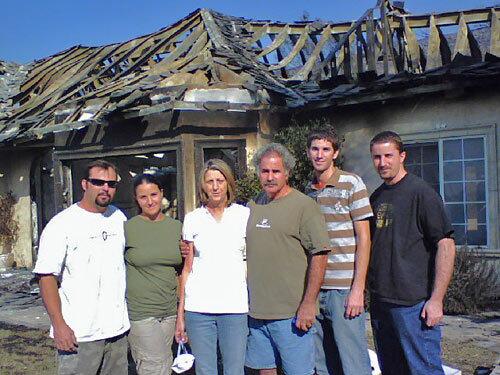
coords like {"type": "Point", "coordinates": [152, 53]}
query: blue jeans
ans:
{"type": "Point", "coordinates": [405, 345]}
{"type": "Point", "coordinates": [341, 346]}
{"type": "Point", "coordinates": [274, 343]}
{"type": "Point", "coordinates": [229, 330]}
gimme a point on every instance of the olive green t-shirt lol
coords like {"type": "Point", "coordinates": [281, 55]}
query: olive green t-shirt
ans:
{"type": "Point", "coordinates": [281, 234]}
{"type": "Point", "coordinates": [152, 255]}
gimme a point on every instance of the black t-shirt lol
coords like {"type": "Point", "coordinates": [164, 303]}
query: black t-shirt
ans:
{"type": "Point", "coordinates": [409, 220]}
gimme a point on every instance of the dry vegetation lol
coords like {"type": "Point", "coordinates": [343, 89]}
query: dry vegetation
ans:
{"type": "Point", "coordinates": [9, 227]}
{"type": "Point", "coordinates": [25, 351]}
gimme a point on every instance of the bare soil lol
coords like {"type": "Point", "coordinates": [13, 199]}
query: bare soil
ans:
{"type": "Point", "coordinates": [27, 351]}
{"type": "Point", "coordinates": [466, 355]}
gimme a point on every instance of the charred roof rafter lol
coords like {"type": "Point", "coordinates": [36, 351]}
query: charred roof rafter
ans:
{"type": "Point", "coordinates": [280, 64]}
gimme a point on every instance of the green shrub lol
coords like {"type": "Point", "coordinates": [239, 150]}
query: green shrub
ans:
{"type": "Point", "coordinates": [474, 286]}
{"type": "Point", "coordinates": [294, 137]}
{"type": "Point", "coordinates": [247, 187]}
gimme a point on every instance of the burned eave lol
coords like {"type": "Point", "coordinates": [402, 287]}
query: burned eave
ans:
{"type": "Point", "coordinates": [456, 76]}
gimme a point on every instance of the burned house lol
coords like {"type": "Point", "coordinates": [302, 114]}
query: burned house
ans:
{"type": "Point", "coordinates": [213, 85]}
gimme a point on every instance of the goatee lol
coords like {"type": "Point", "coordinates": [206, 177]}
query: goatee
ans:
{"type": "Point", "coordinates": [103, 203]}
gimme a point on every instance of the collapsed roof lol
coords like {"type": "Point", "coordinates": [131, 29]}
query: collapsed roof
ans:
{"type": "Point", "coordinates": [210, 61]}
{"type": "Point", "coordinates": [11, 77]}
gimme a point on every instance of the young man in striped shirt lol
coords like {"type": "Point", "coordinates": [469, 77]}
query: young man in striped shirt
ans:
{"type": "Point", "coordinates": [341, 345]}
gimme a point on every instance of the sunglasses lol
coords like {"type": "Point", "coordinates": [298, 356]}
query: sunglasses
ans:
{"type": "Point", "coordinates": [98, 182]}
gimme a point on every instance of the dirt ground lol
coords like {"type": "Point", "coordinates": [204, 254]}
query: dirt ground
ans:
{"type": "Point", "coordinates": [28, 351]}
{"type": "Point", "coordinates": [464, 355]}
{"type": "Point", "coordinates": [469, 342]}
{"type": "Point", "coordinates": [25, 351]}
{"type": "Point", "coordinates": [467, 357]}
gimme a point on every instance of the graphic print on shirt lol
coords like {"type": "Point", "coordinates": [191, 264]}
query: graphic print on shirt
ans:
{"type": "Point", "coordinates": [338, 207]}
{"type": "Point", "coordinates": [332, 200]}
{"type": "Point", "coordinates": [264, 223]}
{"type": "Point", "coordinates": [104, 235]}
{"type": "Point", "coordinates": [384, 215]}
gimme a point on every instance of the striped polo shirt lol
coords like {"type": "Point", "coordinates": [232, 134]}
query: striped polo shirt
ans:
{"type": "Point", "coordinates": [343, 200]}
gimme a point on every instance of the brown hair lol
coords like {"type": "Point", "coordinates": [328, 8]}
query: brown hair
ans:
{"type": "Point", "coordinates": [327, 133]}
{"type": "Point", "coordinates": [145, 178]}
{"type": "Point", "coordinates": [388, 137]}
{"type": "Point", "coordinates": [222, 167]}
{"type": "Point", "coordinates": [102, 164]}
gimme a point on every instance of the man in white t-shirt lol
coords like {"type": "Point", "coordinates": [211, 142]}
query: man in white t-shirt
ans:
{"type": "Point", "coordinates": [81, 270]}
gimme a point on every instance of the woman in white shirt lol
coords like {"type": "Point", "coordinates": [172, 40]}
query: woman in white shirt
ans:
{"type": "Point", "coordinates": [213, 302]}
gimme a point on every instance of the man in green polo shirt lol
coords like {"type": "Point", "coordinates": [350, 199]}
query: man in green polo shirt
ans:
{"type": "Point", "coordinates": [287, 250]}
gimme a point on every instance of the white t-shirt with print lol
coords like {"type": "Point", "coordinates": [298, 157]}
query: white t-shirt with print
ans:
{"type": "Point", "coordinates": [217, 282]}
{"type": "Point", "coordinates": [86, 250]}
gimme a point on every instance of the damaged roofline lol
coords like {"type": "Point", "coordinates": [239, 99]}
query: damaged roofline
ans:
{"type": "Point", "coordinates": [402, 93]}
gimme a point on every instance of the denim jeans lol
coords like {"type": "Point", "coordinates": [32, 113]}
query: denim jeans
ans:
{"type": "Point", "coordinates": [274, 343]}
{"type": "Point", "coordinates": [405, 345]}
{"type": "Point", "coordinates": [229, 330]}
{"type": "Point", "coordinates": [341, 346]}
{"type": "Point", "coordinates": [151, 344]}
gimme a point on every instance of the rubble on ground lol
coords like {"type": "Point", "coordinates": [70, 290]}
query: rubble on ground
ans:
{"type": "Point", "coordinates": [20, 302]}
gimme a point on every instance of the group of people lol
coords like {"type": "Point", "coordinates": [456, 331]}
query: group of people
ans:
{"type": "Point", "coordinates": [279, 282]}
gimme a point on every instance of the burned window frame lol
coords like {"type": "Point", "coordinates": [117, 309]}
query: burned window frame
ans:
{"type": "Point", "coordinates": [62, 160]}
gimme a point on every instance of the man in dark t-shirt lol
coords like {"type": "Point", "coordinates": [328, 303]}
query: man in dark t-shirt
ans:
{"type": "Point", "coordinates": [411, 264]}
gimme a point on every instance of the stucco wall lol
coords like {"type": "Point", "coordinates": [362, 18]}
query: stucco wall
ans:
{"type": "Point", "coordinates": [15, 177]}
{"type": "Point", "coordinates": [420, 119]}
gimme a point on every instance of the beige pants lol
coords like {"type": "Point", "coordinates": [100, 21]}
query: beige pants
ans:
{"type": "Point", "coordinates": [104, 357]}
{"type": "Point", "coordinates": [151, 345]}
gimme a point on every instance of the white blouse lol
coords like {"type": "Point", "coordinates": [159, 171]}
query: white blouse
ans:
{"type": "Point", "coordinates": [217, 282]}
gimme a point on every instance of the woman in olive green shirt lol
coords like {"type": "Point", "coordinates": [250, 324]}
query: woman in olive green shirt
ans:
{"type": "Point", "coordinates": [151, 255]}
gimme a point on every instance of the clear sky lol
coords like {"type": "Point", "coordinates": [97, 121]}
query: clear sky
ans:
{"type": "Point", "coordinates": [32, 29]}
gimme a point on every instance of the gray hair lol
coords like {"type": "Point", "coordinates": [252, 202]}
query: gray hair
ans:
{"type": "Point", "coordinates": [274, 148]}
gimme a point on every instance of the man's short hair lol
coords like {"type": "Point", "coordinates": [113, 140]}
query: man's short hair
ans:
{"type": "Point", "coordinates": [102, 164]}
{"type": "Point", "coordinates": [327, 133]}
{"type": "Point", "coordinates": [388, 137]}
{"type": "Point", "coordinates": [274, 148]}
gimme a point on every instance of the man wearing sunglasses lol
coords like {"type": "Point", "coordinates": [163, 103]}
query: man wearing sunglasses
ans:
{"type": "Point", "coordinates": [82, 278]}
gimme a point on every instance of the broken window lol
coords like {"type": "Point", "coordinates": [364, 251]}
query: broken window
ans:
{"type": "Point", "coordinates": [232, 152]}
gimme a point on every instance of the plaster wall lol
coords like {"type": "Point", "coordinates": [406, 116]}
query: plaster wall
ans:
{"type": "Point", "coordinates": [424, 119]}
